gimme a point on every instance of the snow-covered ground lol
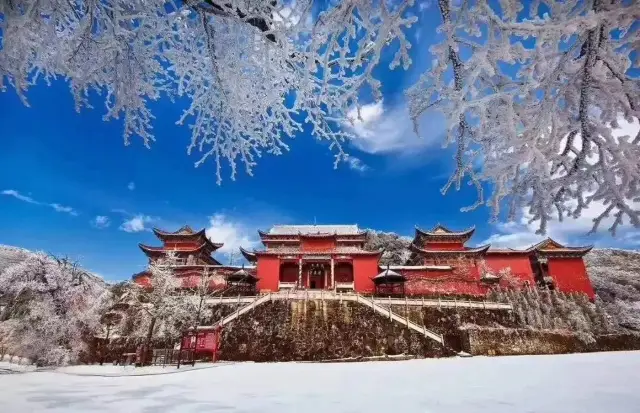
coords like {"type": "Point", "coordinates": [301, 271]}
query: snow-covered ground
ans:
{"type": "Point", "coordinates": [573, 383]}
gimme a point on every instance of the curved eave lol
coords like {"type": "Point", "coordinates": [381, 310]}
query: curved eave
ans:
{"type": "Point", "coordinates": [163, 235]}
{"type": "Point", "coordinates": [566, 251]}
{"type": "Point", "coordinates": [388, 279]}
{"type": "Point", "coordinates": [139, 274]}
{"type": "Point", "coordinates": [508, 252]}
{"type": "Point", "coordinates": [248, 255]}
{"type": "Point", "coordinates": [160, 233]}
{"type": "Point", "coordinates": [148, 250]}
{"type": "Point", "coordinates": [467, 233]}
{"type": "Point", "coordinates": [478, 250]}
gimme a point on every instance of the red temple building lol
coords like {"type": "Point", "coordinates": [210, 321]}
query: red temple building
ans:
{"type": "Point", "coordinates": [334, 258]}
{"type": "Point", "coordinates": [193, 255]}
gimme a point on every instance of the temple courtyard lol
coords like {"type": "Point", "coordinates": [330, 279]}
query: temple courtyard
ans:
{"type": "Point", "coordinates": [596, 382]}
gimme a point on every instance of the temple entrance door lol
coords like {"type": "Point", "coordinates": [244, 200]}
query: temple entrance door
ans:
{"type": "Point", "coordinates": [317, 276]}
{"type": "Point", "coordinates": [316, 282]}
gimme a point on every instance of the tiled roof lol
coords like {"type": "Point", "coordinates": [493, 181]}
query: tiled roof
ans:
{"type": "Point", "coordinates": [477, 250]}
{"type": "Point", "coordinates": [442, 231]}
{"type": "Point", "coordinates": [314, 229]}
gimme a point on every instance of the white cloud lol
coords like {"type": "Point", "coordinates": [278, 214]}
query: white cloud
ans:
{"type": "Point", "coordinates": [131, 186]}
{"type": "Point", "coordinates": [521, 233]}
{"type": "Point", "coordinates": [18, 195]}
{"type": "Point", "coordinates": [136, 223]}
{"type": "Point", "coordinates": [356, 164]}
{"type": "Point", "coordinates": [101, 221]}
{"type": "Point", "coordinates": [232, 233]}
{"type": "Point", "coordinates": [56, 207]}
{"type": "Point", "coordinates": [62, 208]}
{"type": "Point", "coordinates": [378, 130]}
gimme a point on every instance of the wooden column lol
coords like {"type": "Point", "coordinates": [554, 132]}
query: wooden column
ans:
{"type": "Point", "coordinates": [299, 272]}
{"type": "Point", "coordinates": [333, 280]}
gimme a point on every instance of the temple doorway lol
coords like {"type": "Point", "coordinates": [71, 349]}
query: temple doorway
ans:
{"type": "Point", "coordinates": [317, 276]}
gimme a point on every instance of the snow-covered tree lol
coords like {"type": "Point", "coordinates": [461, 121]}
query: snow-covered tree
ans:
{"type": "Point", "coordinates": [534, 93]}
{"type": "Point", "coordinates": [396, 247]}
{"type": "Point", "coordinates": [52, 309]}
{"type": "Point", "coordinates": [254, 71]}
{"type": "Point", "coordinates": [159, 309]}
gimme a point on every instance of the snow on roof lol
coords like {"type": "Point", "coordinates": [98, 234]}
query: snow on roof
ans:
{"type": "Point", "coordinates": [315, 229]}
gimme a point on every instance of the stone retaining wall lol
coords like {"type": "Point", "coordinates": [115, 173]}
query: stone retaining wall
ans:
{"type": "Point", "coordinates": [499, 341]}
{"type": "Point", "coordinates": [315, 330]}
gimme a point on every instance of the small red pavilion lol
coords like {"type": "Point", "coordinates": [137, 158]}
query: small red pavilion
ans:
{"type": "Point", "coordinates": [193, 252]}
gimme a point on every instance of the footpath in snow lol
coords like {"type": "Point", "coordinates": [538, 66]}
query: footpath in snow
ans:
{"type": "Point", "coordinates": [580, 383]}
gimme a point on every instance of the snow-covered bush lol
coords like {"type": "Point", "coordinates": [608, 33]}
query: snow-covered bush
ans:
{"type": "Point", "coordinates": [52, 309]}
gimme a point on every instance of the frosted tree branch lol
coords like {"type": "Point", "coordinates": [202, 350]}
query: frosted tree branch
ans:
{"type": "Point", "coordinates": [255, 73]}
{"type": "Point", "coordinates": [535, 106]}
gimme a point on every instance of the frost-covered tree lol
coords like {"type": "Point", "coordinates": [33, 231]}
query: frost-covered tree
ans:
{"type": "Point", "coordinates": [254, 71]}
{"type": "Point", "coordinates": [158, 309]}
{"type": "Point", "coordinates": [395, 247]}
{"type": "Point", "coordinates": [52, 309]}
{"type": "Point", "coordinates": [533, 93]}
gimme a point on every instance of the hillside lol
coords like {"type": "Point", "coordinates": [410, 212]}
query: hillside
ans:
{"type": "Point", "coordinates": [616, 277]}
{"type": "Point", "coordinates": [14, 255]}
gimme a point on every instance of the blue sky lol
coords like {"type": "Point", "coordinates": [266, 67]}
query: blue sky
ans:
{"type": "Point", "coordinates": [69, 185]}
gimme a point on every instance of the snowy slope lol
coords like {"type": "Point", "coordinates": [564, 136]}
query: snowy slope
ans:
{"type": "Point", "coordinates": [578, 383]}
{"type": "Point", "coordinates": [12, 255]}
{"type": "Point", "coordinates": [616, 277]}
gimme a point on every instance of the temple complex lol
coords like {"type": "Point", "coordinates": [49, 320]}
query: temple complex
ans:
{"type": "Point", "coordinates": [334, 258]}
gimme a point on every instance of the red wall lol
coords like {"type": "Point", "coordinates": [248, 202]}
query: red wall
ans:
{"type": "Point", "coordinates": [570, 275]}
{"type": "Point", "coordinates": [444, 282]}
{"type": "Point", "coordinates": [443, 246]}
{"type": "Point", "coordinates": [320, 244]}
{"type": "Point", "coordinates": [181, 245]}
{"type": "Point", "coordinates": [268, 273]}
{"type": "Point", "coordinates": [364, 269]}
{"type": "Point", "coordinates": [520, 266]}
{"type": "Point", "coordinates": [289, 272]}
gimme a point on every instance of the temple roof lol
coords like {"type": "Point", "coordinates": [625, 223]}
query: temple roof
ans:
{"type": "Point", "coordinates": [162, 250]}
{"type": "Point", "coordinates": [186, 232]}
{"type": "Point", "coordinates": [241, 275]}
{"type": "Point", "coordinates": [388, 275]}
{"type": "Point", "coordinates": [442, 232]}
{"type": "Point", "coordinates": [314, 230]}
{"type": "Point", "coordinates": [206, 248]}
{"type": "Point", "coordinates": [477, 250]}
{"type": "Point", "coordinates": [551, 247]}
{"type": "Point", "coordinates": [248, 255]}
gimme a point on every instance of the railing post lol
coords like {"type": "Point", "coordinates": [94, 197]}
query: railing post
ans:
{"type": "Point", "coordinates": [455, 303]}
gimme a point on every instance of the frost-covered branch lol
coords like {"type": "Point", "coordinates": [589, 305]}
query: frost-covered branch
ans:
{"type": "Point", "coordinates": [535, 100]}
{"type": "Point", "coordinates": [255, 73]}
